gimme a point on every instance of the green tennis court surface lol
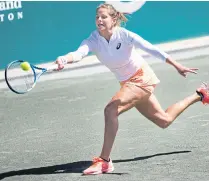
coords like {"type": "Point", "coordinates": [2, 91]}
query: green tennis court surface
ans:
{"type": "Point", "coordinates": [53, 132]}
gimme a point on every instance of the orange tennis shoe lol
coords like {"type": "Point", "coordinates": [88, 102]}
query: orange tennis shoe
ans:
{"type": "Point", "coordinates": [99, 166]}
{"type": "Point", "coordinates": [203, 91]}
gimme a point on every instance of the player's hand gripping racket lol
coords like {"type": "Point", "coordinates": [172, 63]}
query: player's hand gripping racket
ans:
{"type": "Point", "coordinates": [21, 80]}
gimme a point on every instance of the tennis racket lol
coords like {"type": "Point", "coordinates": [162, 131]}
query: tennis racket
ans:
{"type": "Point", "coordinates": [20, 81]}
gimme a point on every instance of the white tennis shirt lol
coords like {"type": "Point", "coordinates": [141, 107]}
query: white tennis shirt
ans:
{"type": "Point", "coordinates": [119, 54]}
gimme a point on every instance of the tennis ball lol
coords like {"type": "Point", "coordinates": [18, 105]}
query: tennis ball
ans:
{"type": "Point", "coordinates": [25, 66]}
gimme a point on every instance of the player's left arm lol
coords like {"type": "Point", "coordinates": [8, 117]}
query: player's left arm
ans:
{"type": "Point", "coordinates": [146, 46]}
{"type": "Point", "coordinates": [180, 68]}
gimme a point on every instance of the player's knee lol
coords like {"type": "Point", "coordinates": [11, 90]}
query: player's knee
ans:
{"type": "Point", "coordinates": [165, 122]}
{"type": "Point", "coordinates": [111, 110]}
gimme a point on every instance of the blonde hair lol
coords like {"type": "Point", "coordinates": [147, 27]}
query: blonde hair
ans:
{"type": "Point", "coordinates": [120, 17]}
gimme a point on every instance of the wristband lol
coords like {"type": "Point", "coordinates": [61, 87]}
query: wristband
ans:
{"type": "Point", "coordinates": [63, 59]}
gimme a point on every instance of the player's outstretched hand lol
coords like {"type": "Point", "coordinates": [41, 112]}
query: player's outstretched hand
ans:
{"type": "Point", "coordinates": [60, 63]}
{"type": "Point", "coordinates": [185, 70]}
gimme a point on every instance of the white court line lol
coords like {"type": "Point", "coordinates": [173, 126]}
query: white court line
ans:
{"type": "Point", "coordinates": [199, 115]}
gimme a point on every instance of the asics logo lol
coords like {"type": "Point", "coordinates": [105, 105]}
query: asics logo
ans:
{"type": "Point", "coordinates": [118, 46]}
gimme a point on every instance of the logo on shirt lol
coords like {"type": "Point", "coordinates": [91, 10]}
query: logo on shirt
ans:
{"type": "Point", "coordinates": [118, 46]}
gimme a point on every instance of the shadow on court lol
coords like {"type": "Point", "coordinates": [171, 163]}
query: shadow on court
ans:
{"type": "Point", "coordinates": [76, 167]}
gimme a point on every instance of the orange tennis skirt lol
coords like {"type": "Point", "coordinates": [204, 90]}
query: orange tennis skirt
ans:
{"type": "Point", "coordinates": [144, 78]}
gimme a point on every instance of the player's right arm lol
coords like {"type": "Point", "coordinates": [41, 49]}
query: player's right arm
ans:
{"type": "Point", "coordinates": [85, 47]}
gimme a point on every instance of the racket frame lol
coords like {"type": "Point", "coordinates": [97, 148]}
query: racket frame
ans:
{"type": "Point", "coordinates": [36, 76]}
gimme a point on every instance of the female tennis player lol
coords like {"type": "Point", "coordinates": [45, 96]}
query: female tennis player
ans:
{"type": "Point", "coordinates": [115, 47]}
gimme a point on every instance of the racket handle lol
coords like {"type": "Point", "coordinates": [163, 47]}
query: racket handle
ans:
{"type": "Point", "coordinates": [52, 67]}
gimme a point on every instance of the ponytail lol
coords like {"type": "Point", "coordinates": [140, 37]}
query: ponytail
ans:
{"type": "Point", "coordinates": [121, 19]}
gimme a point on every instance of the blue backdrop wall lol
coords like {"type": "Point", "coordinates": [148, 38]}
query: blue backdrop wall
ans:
{"type": "Point", "coordinates": [41, 31]}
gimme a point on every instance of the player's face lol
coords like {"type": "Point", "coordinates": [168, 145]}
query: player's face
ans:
{"type": "Point", "coordinates": [104, 21]}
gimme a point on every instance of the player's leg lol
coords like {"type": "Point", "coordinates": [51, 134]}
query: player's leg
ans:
{"type": "Point", "coordinates": [125, 99]}
{"type": "Point", "coordinates": [151, 108]}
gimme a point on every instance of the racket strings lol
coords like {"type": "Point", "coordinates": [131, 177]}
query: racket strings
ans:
{"type": "Point", "coordinates": [20, 80]}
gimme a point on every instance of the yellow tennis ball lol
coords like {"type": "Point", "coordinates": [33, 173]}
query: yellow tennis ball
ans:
{"type": "Point", "coordinates": [25, 66]}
